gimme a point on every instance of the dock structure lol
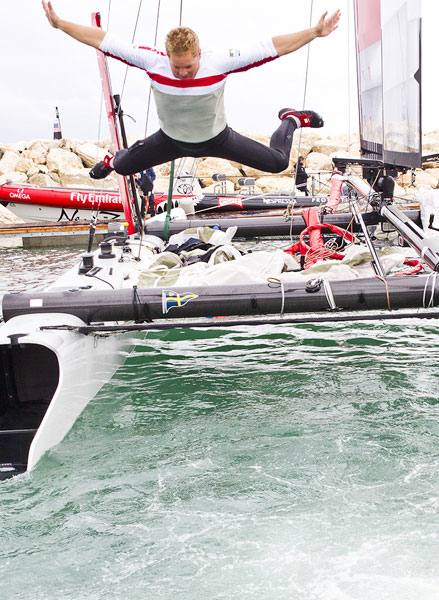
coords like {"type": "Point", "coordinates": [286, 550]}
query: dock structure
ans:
{"type": "Point", "coordinates": [46, 235]}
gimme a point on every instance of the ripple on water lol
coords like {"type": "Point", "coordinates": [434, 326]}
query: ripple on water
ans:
{"type": "Point", "coordinates": [273, 462]}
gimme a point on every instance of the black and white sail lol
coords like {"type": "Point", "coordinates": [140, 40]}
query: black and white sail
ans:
{"type": "Point", "coordinates": [388, 45]}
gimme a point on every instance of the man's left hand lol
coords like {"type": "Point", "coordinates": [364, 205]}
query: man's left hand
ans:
{"type": "Point", "coordinates": [327, 25]}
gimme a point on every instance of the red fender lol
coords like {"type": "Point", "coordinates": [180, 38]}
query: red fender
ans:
{"type": "Point", "coordinates": [311, 217]}
{"type": "Point", "coordinates": [412, 262]}
{"type": "Point", "coordinates": [335, 193]}
{"type": "Point", "coordinates": [309, 214]}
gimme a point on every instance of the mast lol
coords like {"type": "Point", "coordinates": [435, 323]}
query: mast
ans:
{"type": "Point", "coordinates": [128, 206]}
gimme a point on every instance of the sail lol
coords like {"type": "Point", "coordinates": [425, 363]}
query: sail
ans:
{"type": "Point", "coordinates": [388, 44]}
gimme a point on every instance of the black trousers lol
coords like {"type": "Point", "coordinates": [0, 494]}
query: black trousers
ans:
{"type": "Point", "coordinates": [159, 148]}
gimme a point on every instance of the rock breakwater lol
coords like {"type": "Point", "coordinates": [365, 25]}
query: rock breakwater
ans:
{"type": "Point", "coordinates": [66, 163]}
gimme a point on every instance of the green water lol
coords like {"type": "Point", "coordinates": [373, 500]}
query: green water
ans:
{"type": "Point", "coordinates": [265, 463]}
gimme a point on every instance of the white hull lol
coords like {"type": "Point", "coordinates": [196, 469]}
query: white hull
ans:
{"type": "Point", "coordinates": [50, 375]}
{"type": "Point", "coordinates": [85, 364]}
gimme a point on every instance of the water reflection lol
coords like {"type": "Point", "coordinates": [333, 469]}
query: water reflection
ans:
{"type": "Point", "coordinates": [22, 269]}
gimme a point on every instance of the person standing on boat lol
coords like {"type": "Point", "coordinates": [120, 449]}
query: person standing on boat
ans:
{"type": "Point", "coordinates": [188, 86]}
{"type": "Point", "coordinates": [301, 176]}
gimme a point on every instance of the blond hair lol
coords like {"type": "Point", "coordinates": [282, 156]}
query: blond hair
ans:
{"type": "Point", "coordinates": [181, 40]}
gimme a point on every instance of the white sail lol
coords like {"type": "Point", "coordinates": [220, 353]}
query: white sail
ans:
{"type": "Point", "coordinates": [388, 42]}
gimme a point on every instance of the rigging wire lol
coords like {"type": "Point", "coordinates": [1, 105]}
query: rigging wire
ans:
{"type": "Point", "coordinates": [307, 58]}
{"type": "Point", "coordinates": [150, 87]}
{"type": "Point", "coordinates": [155, 44]}
{"type": "Point", "coordinates": [132, 41]}
{"type": "Point", "coordinates": [294, 174]}
{"type": "Point", "coordinates": [171, 175]}
{"type": "Point", "coordinates": [305, 88]}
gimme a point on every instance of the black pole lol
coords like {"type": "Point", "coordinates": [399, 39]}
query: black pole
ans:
{"type": "Point", "coordinates": [365, 294]}
{"type": "Point", "coordinates": [230, 323]}
{"type": "Point", "coordinates": [412, 234]}
{"type": "Point", "coordinates": [119, 113]}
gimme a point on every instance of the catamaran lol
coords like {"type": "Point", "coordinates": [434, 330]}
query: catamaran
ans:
{"type": "Point", "coordinates": [60, 345]}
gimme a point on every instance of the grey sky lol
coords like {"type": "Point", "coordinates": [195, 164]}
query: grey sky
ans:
{"type": "Point", "coordinates": [42, 68]}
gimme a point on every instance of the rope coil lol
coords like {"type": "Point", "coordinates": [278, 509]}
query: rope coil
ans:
{"type": "Point", "coordinates": [432, 277]}
{"type": "Point", "coordinates": [279, 282]}
{"type": "Point", "coordinates": [329, 295]}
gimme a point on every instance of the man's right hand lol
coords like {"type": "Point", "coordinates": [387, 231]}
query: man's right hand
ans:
{"type": "Point", "coordinates": [51, 15]}
{"type": "Point", "coordinates": [92, 36]}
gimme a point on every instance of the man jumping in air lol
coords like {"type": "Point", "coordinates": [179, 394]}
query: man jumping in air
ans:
{"type": "Point", "coordinates": [188, 87]}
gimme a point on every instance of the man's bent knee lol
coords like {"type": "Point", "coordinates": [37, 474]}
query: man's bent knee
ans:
{"type": "Point", "coordinates": [121, 163]}
{"type": "Point", "coordinates": [280, 165]}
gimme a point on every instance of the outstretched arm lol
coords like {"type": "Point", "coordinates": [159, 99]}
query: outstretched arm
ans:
{"type": "Point", "coordinates": [290, 42]}
{"type": "Point", "coordinates": [92, 36]}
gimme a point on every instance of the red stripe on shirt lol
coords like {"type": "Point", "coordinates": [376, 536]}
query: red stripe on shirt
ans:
{"type": "Point", "coordinates": [122, 60]}
{"type": "Point", "coordinates": [192, 83]}
{"type": "Point", "coordinates": [186, 83]}
{"type": "Point", "coordinates": [205, 81]}
{"type": "Point", "coordinates": [152, 50]}
{"type": "Point", "coordinates": [255, 64]}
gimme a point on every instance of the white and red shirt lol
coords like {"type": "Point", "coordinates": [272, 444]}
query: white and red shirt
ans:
{"type": "Point", "coordinates": [190, 110]}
